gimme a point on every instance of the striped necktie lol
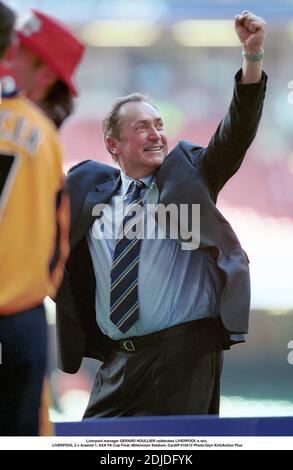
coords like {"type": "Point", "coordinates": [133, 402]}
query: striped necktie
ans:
{"type": "Point", "coordinates": [124, 306]}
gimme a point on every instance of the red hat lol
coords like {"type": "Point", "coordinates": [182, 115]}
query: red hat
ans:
{"type": "Point", "coordinates": [53, 42]}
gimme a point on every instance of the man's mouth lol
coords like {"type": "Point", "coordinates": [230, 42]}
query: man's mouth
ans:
{"type": "Point", "coordinates": [155, 148]}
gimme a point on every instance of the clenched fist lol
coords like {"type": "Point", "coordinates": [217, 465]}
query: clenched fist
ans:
{"type": "Point", "coordinates": [251, 31]}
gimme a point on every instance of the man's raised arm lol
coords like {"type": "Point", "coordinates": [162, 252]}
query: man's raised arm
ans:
{"type": "Point", "coordinates": [250, 30]}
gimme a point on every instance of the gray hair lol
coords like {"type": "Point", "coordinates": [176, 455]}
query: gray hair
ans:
{"type": "Point", "coordinates": [111, 121]}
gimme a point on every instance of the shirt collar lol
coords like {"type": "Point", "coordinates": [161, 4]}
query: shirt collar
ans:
{"type": "Point", "coordinates": [127, 180]}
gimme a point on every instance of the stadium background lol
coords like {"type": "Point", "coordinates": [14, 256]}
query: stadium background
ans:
{"type": "Point", "coordinates": [184, 54]}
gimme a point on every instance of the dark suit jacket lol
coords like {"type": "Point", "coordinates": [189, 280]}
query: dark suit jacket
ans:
{"type": "Point", "coordinates": [190, 174]}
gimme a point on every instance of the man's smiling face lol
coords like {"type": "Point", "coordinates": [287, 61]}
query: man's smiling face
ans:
{"type": "Point", "coordinates": [142, 143]}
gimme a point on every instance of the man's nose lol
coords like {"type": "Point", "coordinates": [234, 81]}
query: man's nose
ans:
{"type": "Point", "coordinates": [154, 134]}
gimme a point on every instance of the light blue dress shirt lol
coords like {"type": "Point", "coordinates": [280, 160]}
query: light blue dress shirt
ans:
{"type": "Point", "coordinates": [174, 285]}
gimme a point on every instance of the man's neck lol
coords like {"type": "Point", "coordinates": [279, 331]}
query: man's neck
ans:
{"type": "Point", "coordinates": [137, 174]}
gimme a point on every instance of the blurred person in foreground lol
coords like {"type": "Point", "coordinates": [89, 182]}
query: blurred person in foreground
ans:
{"type": "Point", "coordinates": [43, 61]}
{"type": "Point", "coordinates": [155, 312]}
{"type": "Point", "coordinates": [34, 219]}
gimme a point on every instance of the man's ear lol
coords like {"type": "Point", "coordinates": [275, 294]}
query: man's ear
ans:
{"type": "Point", "coordinates": [112, 145]}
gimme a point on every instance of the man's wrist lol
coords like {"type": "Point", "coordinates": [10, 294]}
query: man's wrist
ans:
{"type": "Point", "coordinates": [253, 55]}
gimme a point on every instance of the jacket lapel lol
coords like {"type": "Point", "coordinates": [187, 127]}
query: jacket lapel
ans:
{"type": "Point", "coordinates": [103, 193]}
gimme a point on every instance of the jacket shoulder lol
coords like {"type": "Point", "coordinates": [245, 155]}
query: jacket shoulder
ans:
{"type": "Point", "coordinates": [90, 172]}
{"type": "Point", "coordinates": [190, 150]}
{"type": "Point", "coordinates": [188, 146]}
{"type": "Point", "coordinates": [91, 165]}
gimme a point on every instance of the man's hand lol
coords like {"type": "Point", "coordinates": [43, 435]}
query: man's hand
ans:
{"type": "Point", "coordinates": [251, 31]}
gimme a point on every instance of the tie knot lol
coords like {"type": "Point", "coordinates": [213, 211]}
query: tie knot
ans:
{"type": "Point", "coordinates": [138, 185]}
{"type": "Point", "coordinates": [134, 189]}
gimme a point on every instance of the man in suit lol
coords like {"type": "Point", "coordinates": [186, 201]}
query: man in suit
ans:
{"type": "Point", "coordinates": [159, 316]}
